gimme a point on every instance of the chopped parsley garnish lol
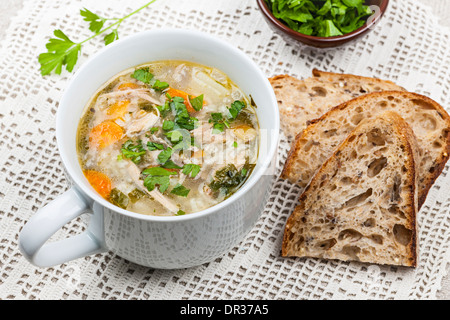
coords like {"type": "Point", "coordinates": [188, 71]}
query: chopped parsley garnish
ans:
{"type": "Point", "coordinates": [191, 170]}
{"type": "Point", "coordinates": [235, 108]}
{"type": "Point", "coordinates": [144, 75]}
{"type": "Point", "coordinates": [180, 213]}
{"type": "Point", "coordinates": [157, 176]}
{"type": "Point", "coordinates": [134, 152]}
{"type": "Point", "coordinates": [152, 146]}
{"type": "Point", "coordinates": [197, 102]}
{"type": "Point", "coordinates": [164, 109]}
{"type": "Point", "coordinates": [168, 125]}
{"type": "Point", "coordinates": [160, 86]}
{"type": "Point", "coordinates": [228, 179]}
{"type": "Point", "coordinates": [321, 18]}
{"type": "Point", "coordinates": [165, 155]}
{"type": "Point", "coordinates": [235, 144]}
{"type": "Point", "coordinates": [220, 122]}
{"type": "Point", "coordinates": [180, 190]}
{"type": "Point", "coordinates": [154, 130]}
{"type": "Point", "coordinates": [118, 198]}
{"type": "Point", "coordinates": [182, 118]}
{"type": "Point", "coordinates": [171, 165]}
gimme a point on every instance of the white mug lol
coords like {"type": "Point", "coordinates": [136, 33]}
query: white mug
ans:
{"type": "Point", "coordinates": [153, 241]}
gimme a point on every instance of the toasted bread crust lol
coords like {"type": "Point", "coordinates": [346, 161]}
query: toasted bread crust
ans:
{"type": "Point", "coordinates": [406, 135]}
{"type": "Point", "coordinates": [331, 76]}
{"type": "Point", "coordinates": [429, 175]}
{"type": "Point", "coordinates": [301, 101]}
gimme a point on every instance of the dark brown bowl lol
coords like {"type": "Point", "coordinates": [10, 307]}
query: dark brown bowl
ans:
{"type": "Point", "coordinates": [322, 42]}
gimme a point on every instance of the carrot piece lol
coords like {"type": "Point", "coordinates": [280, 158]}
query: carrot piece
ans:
{"type": "Point", "coordinates": [128, 85]}
{"type": "Point", "coordinates": [100, 182]}
{"type": "Point", "coordinates": [118, 109]}
{"type": "Point", "coordinates": [198, 154]}
{"type": "Point", "coordinates": [105, 134]}
{"type": "Point", "coordinates": [178, 93]}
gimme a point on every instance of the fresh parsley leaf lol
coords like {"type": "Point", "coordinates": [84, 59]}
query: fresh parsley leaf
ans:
{"type": "Point", "coordinates": [219, 122]}
{"type": "Point", "coordinates": [160, 86]}
{"type": "Point", "coordinates": [168, 125]}
{"type": "Point", "coordinates": [182, 119]}
{"type": "Point", "coordinates": [197, 102]}
{"type": "Point", "coordinates": [134, 152]}
{"type": "Point", "coordinates": [61, 52]}
{"type": "Point", "coordinates": [235, 108]}
{"type": "Point", "coordinates": [111, 37]}
{"type": "Point", "coordinates": [164, 109]}
{"type": "Point", "coordinates": [152, 181]}
{"type": "Point", "coordinates": [158, 171]}
{"type": "Point", "coordinates": [157, 176]}
{"type": "Point", "coordinates": [152, 146]}
{"type": "Point", "coordinates": [96, 22]}
{"type": "Point", "coordinates": [180, 190]}
{"type": "Point", "coordinates": [165, 155]}
{"type": "Point", "coordinates": [154, 130]}
{"type": "Point", "coordinates": [180, 213]}
{"type": "Point", "coordinates": [325, 18]}
{"type": "Point", "coordinates": [144, 75]}
{"type": "Point", "coordinates": [235, 144]}
{"type": "Point", "coordinates": [171, 165]}
{"type": "Point", "coordinates": [191, 170]}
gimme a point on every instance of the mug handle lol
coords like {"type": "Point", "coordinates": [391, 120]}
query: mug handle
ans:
{"type": "Point", "coordinates": [51, 218]}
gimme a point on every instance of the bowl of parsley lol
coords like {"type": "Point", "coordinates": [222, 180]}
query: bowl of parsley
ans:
{"type": "Point", "coordinates": [323, 23]}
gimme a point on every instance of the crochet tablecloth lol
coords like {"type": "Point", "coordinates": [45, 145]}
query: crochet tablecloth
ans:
{"type": "Point", "coordinates": [408, 47]}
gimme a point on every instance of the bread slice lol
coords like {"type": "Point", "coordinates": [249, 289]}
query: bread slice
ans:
{"type": "Point", "coordinates": [301, 101]}
{"type": "Point", "coordinates": [362, 203]}
{"type": "Point", "coordinates": [429, 121]}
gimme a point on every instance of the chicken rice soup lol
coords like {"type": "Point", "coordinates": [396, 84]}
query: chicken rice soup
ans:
{"type": "Point", "coordinates": [168, 138]}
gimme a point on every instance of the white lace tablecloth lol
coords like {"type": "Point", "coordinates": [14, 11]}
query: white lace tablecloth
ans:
{"type": "Point", "coordinates": [408, 47]}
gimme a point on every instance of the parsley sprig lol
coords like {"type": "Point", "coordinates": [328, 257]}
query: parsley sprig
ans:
{"type": "Point", "coordinates": [63, 52]}
{"type": "Point", "coordinates": [322, 18]}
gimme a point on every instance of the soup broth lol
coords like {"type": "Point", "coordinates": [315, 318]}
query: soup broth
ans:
{"type": "Point", "coordinates": [168, 138]}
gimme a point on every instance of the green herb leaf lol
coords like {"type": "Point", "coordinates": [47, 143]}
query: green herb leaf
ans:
{"type": "Point", "coordinates": [160, 86]}
{"type": "Point", "coordinates": [151, 182]}
{"type": "Point", "coordinates": [96, 22]}
{"type": "Point", "coordinates": [164, 109]}
{"type": "Point", "coordinates": [152, 146]}
{"type": "Point", "coordinates": [61, 52]}
{"type": "Point", "coordinates": [171, 165]}
{"type": "Point", "coordinates": [165, 155]}
{"type": "Point", "coordinates": [191, 169]}
{"type": "Point", "coordinates": [118, 198]}
{"type": "Point", "coordinates": [158, 171]}
{"type": "Point", "coordinates": [111, 37]}
{"type": "Point", "coordinates": [157, 176]}
{"type": "Point", "coordinates": [180, 190]}
{"type": "Point", "coordinates": [197, 102]}
{"type": "Point", "coordinates": [144, 75]}
{"type": "Point", "coordinates": [168, 125]}
{"type": "Point", "coordinates": [325, 18]}
{"type": "Point", "coordinates": [154, 130]}
{"type": "Point", "coordinates": [235, 108]}
{"type": "Point", "coordinates": [134, 152]}
{"type": "Point", "coordinates": [180, 213]}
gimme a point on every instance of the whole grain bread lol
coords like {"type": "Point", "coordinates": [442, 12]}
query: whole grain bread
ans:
{"type": "Point", "coordinates": [362, 203]}
{"type": "Point", "coordinates": [301, 101]}
{"type": "Point", "coordinates": [429, 121]}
